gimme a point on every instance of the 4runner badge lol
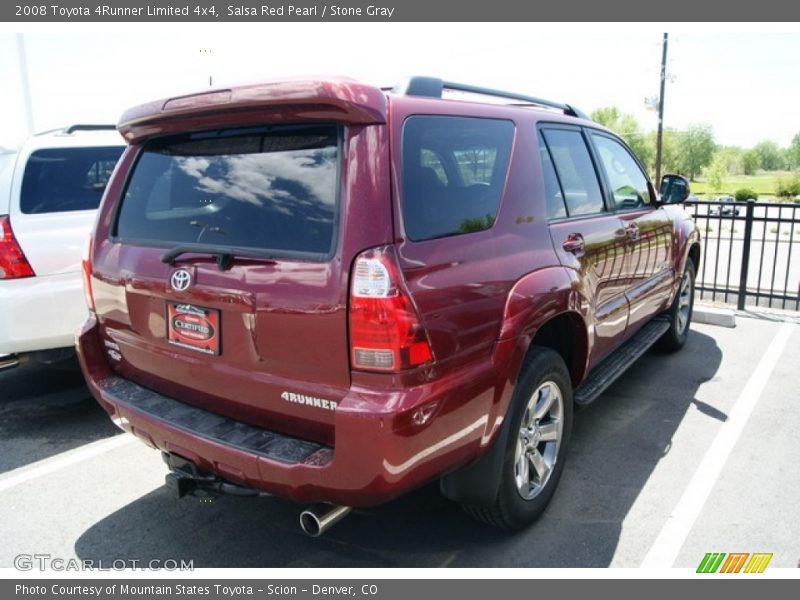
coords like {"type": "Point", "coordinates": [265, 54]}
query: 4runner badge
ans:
{"type": "Point", "coordinates": [309, 400]}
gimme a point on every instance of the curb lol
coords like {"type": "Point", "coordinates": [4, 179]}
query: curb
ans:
{"type": "Point", "coordinates": [710, 315]}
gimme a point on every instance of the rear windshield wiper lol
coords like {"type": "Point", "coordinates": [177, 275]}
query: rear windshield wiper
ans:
{"type": "Point", "coordinates": [223, 254]}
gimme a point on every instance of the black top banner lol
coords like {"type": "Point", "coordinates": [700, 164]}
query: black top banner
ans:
{"type": "Point", "coordinates": [49, 11]}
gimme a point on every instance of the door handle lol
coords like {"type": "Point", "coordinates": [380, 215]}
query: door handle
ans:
{"type": "Point", "coordinates": [574, 243]}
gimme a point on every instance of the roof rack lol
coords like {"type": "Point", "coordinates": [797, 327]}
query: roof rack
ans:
{"type": "Point", "coordinates": [433, 87]}
{"type": "Point", "coordinates": [89, 127]}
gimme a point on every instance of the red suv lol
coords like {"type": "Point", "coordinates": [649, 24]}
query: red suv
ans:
{"type": "Point", "coordinates": [335, 293]}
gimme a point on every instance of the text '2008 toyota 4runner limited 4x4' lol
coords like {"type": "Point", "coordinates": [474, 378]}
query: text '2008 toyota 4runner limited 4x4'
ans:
{"type": "Point", "coordinates": [335, 293]}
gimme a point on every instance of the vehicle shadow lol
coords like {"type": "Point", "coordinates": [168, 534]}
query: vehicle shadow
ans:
{"type": "Point", "coordinates": [616, 444]}
{"type": "Point", "coordinates": [46, 410]}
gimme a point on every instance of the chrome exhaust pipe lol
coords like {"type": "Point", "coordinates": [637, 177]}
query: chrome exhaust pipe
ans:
{"type": "Point", "coordinates": [8, 361]}
{"type": "Point", "coordinates": [316, 520]}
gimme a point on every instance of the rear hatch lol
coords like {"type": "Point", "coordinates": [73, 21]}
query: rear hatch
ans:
{"type": "Point", "coordinates": [222, 255]}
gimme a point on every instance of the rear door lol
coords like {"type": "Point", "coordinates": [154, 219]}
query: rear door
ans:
{"type": "Point", "coordinates": [586, 236]}
{"type": "Point", "coordinates": [251, 321]}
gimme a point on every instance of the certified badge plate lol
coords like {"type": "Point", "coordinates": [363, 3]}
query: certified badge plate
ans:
{"type": "Point", "coordinates": [193, 327]}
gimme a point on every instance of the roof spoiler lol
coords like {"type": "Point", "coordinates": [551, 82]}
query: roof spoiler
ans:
{"type": "Point", "coordinates": [334, 100]}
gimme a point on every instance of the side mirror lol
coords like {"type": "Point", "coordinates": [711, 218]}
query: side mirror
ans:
{"type": "Point", "coordinates": [674, 189]}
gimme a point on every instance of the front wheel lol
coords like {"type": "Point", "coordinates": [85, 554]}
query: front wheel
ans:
{"type": "Point", "coordinates": [680, 313]}
{"type": "Point", "coordinates": [541, 420]}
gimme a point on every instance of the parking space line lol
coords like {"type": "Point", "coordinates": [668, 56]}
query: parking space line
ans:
{"type": "Point", "coordinates": [670, 540]}
{"type": "Point", "coordinates": [63, 460]}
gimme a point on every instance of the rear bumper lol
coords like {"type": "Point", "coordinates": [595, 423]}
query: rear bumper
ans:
{"type": "Point", "coordinates": [40, 313]}
{"type": "Point", "coordinates": [380, 452]}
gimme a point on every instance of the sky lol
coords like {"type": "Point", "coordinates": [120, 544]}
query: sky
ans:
{"type": "Point", "coordinates": [742, 81]}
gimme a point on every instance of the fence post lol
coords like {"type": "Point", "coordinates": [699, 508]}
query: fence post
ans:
{"type": "Point", "coordinates": [748, 234]}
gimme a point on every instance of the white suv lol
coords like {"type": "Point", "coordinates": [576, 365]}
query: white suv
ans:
{"type": "Point", "coordinates": [49, 193]}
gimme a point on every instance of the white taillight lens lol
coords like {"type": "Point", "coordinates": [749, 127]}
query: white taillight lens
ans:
{"type": "Point", "coordinates": [371, 279]}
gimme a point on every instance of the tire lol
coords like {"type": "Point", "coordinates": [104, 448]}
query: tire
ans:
{"type": "Point", "coordinates": [525, 489]}
{"type": "Point", "coordinates": [680, 313]}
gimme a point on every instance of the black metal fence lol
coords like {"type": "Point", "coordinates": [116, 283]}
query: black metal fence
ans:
{"type": "Point", "coordinates": [751, 253]}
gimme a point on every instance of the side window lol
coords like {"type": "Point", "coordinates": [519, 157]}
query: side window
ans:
{"type": "Point", "coordinates": [453, 174]}
{"type": "Point", "coordinates": [628, 183]}
{"type": "Point", "coordinates": [575, 171]}
{"type": "Point", "coordinates": [554, 199]}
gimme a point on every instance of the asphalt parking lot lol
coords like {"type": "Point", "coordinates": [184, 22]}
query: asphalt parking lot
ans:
{"type": "Point", "coordinates": [687, 453]}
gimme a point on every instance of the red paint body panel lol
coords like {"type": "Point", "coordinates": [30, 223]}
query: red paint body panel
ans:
{"type": "Point", "coordinates": [481, 298]}
{"type": "Point", "coordinates": [381, 452]}
{"type": "Point", "coordinates": [342, 100]}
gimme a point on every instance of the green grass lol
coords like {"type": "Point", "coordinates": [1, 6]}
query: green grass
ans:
{"type": "Point", "coordinates": [762, 182]}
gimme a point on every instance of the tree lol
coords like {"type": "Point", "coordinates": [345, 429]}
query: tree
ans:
{"type": "Point", "coordinates": [715, 173]}
{"type": "Point", "coordinates": [793, 152]}
{"type": "Point", "coordinates": [608, 116]}
{"type": "Point", "coordinates": [627, 127]}
{"type": "Point", "coordinates": [750, 162]}
{"type": "Point", "coordinates": [769, 156]}
{"type": "Point", "coordinates": [788, 188]}
{"type": "Point", "coordinates": [734, 159]}
{"type": "Point", "coordinates": [669, 150]}
{"type": "Point", "coordinates": [632, 133]}
{"type": "Point", "coordinates": [695, 149]}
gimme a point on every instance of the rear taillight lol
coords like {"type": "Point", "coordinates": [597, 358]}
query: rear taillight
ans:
{"type": "Point", "coordinates": [385, 330]}
{"type": "Point", "coordinates": [13, 263]}
{"type": "Point", "coordinates": [86, 269]}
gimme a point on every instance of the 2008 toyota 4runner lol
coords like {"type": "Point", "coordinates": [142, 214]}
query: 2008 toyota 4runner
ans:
{"type": "Point", "coordinates": [336, 293]}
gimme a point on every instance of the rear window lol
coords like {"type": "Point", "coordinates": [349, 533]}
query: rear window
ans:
{"type": "Point", "coordinates": [454, 170]}
{"type": "Point", "coordinates": [66, 179]}
{"type": "Point", "coordinates": [272, 189]}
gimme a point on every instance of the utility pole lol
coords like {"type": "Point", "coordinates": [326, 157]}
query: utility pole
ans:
{"type": "Point", "coordinates": [23, 77]}
{"type": "Point", "coordinates": [660, 133]}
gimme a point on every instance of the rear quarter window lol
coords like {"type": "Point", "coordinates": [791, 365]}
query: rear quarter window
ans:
{"type": "Point", "coordinates": [453, 173]}
{"type": "Point", "coordinates": [66, 179]}
{"type": "Point", "coordinates": [272, 189]}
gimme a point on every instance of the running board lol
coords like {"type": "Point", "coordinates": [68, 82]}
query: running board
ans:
{"type": "Point", "coordinates": [616, 363]}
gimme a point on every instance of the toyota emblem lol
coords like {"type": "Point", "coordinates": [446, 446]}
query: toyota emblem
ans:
{"type": "Point", "coordinates": [180, 280]}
